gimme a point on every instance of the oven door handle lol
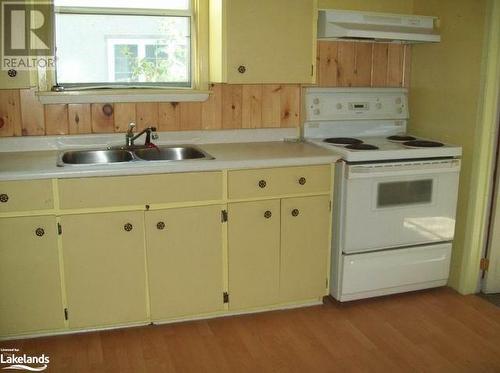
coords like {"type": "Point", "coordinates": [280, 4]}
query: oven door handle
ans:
{"type": "Point", "coordinates": [409, 169]}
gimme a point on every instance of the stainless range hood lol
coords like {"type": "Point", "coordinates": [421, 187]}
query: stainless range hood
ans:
{"type": "Point", "coordinates": [341, 24]}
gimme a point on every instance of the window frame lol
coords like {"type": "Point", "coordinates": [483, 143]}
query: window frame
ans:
{"type": "Point", "coordinates": [194, 74]}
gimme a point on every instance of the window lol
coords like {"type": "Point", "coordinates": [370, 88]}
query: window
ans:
{"type": "Point", "coordinates": [404, 193]}
{"type": "Point", "coordinates": [123, 43]}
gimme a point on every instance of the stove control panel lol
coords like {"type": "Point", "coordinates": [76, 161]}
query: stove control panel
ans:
{"type": "Point", "coordinates": [326, 104]}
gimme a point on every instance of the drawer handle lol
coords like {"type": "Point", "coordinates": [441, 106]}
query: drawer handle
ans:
{"type": "Point", "coordinates": [160, 225]}
{"type": "Point", "coordinates": [12, 73]}
{"type": "Point", "coordinates": [302, 180]}
{"type": "Point", "coordinates": [4, 198]}
{"type": "Point", "coordinates": [295, 212]}
{"type": "Point", "coordinates": [262, 183]}
{"type": "Point", "coordinates": [242, 69]}
{"type": "Point", "coordinates": [128, 227]}
{"type": "Point", "coordinates": [39, 232]}
{"type": "Point", "coordinates": [268, 214]}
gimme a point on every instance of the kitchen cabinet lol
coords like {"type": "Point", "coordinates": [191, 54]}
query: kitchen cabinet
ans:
{"type": "Point", "coordinates": [262, 41]}
{"type": "Point", "coordinates": [26, 195]}
{"type": "Point", "coordinates": [104, 268]}
{"type": "Point", "coordinates": [14, 79]}
{"type": "Point", "coordinates": [30, 279]}
{"type": "Point", "coordinates": [185, 263]}
{"type": "Point", "coordinates": [305, 241]}
{"type": "Point", "coordinates": [254, 253]}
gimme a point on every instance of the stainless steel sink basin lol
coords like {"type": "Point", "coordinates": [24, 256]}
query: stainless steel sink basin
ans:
{"type": "Point", "coordinates": [171, 153]}
{"type": "Point", "coordinates": [114, 155]}
{"type": "Point", "coordinates": [96, 156]}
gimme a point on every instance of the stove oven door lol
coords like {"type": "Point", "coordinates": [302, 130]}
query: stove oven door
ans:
{"type": "Point", "coordinates": [399, 204]}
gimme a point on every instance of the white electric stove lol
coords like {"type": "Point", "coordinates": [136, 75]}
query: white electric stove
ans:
{"type": "Point", "coordinates": [395, 194]}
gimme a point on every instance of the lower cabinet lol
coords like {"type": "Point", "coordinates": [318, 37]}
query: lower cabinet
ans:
{"type": "Point", "coordinates": [254, 253]}
{"type": "Point", "coordinates": [185, 262]}
{"type": "Point", "coordinates": [305, 242]}
{"type": "Point", "coordinates": [278, 251]}
{"type": "Point", "coordinates": [30, 282]}
{"type": "Point", "coordinates": [104, 268]}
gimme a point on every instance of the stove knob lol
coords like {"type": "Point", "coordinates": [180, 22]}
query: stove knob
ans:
{"type": "Point", "coordinates": [398, 100]}
{"type": "Point", "coordinates": [378, 105]}
{"type": "Point", "coordinates": [339, 106]}
{"type": "Point", "coordinates": [316, 111]}
{"type": "Point", "coordinates": [316, 101]}
{"type": "Point", "coordinates": [400, 110]}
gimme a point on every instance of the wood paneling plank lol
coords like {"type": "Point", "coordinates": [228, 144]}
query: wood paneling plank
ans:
{"type": "Point", "coordinates": [346, 63]}
{"type": "Point", "coordinates": [290, 105]}
{"type": "Point", "coordinates": [169, 116]}
{"type": "Point", "coordinates": [211, 109]}
{"type": "Point", "coordinates": [251, 111]}
{"type": "Point", "coordinates": [102, 118]}
{"type": "Point", "coordinates": [147, 115]}
{"type": "Point", "coordinates": [395, 65]}
{"type": "Point", "coordinates": [407, 66]}
{"type": "Point", "coordinates": [379, 65]}
{"type": "Point", "coordinates": [56, 119]}
{"type": "Point", "coordinates": [327, 63]}
{"type": "Point", "coordinates": [190, 113]}
{"type": "Point", "coordinates": [10, 113]}
{"type": "Point", "coordinates": [271, 105]}
{"type": "Point", "coordinates": [79, 118]}
{"type": "Point", "coordinates": [363, 64]}
{"type": "Point", "coordinates": [124, 115]}
{"type": "Point", "coordinates": [231, 106]}
{"type": "Point", "coordinates": [32, 113]}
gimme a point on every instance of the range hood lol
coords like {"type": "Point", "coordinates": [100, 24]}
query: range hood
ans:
{"type": "Point", "coordinates": [341, 24]}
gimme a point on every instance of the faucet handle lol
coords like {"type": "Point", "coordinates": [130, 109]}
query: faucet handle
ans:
{"type": "Point", "coordinates": [131, 127]}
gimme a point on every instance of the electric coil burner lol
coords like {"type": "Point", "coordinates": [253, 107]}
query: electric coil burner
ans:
{"type": "Point", "coordinates": [401, 138]}
{"type": "Point", "coordinates": [423, 144]}
{"type": "Point", "coordinates": [343, 140]}
{"type": "Point", "coordinates": [362, 147]}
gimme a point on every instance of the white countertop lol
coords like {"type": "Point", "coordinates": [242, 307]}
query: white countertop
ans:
{"type": "Point", "coordinates": [42, 164]}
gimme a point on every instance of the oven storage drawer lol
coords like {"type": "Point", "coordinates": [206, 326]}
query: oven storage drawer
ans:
{"type": "Point", "coordinates": [391, 271]}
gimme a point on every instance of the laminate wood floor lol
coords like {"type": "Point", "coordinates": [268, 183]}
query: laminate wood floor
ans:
{"type": "Point", "coordinates": [429, 331]}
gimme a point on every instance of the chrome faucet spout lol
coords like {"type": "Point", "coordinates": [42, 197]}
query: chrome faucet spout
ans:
{"type": "Point", "coordinates": [130, 137]}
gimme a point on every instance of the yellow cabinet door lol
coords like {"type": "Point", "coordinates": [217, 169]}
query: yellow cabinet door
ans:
{"type": "Point", "coordinates": [253, 253]}
{"type": "Point", "coordinates": [262, 41]}
{"type": "Point", "coordinates": [105, 268]}
{"type": "Point", "coordinates": [305, 228]}
{"type": "Point", "coordinates": [184, 255]}
{"type": "Point", "coordinates": [30, 283]}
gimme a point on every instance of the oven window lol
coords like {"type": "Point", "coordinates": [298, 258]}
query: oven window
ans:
{"type": "Point", "coordinates": [402, 193]}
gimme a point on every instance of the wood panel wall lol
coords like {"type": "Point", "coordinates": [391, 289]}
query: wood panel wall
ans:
{"type": "Point", "coordinates": [340, 64]}
{"type": "Point", "coordinates": [362, 64]}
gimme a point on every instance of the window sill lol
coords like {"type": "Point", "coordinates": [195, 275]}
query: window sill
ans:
{"type": "Point", "coordinates": [122, 95]}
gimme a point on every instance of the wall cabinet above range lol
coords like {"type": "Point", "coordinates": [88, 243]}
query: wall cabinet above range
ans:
{"type": "Point", "coordinates": [262, 41]}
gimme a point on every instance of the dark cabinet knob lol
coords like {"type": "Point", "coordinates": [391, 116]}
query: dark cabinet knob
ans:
{"type": "Point", "coordinates": [39, 232]}
{"type": "Point", "coordinates": [160, 225]}
{"type": "Point", "coordinates": [128, 227]}
{"type": "Point", "coordinates": [262, 183]}
{"type": "Point", "coordinates": [268, 214]}
{"type": "Point", "coordinates": [242, 69]}
{"type": "Point", "coordinates": [295, 212]}
{"type": "Point", "coordinates": [302, 180]}
{"type": "Point", "coordinates": [12, 73]}
{"type": "Point", "coordinates": [4, 198]}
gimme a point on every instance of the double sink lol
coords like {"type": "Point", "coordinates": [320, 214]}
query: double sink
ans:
{"type": "Point", "coordinates": [136, 154]}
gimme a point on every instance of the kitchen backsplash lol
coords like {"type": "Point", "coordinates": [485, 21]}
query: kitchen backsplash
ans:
{"type": "Point", "coordinates": [340, 64]}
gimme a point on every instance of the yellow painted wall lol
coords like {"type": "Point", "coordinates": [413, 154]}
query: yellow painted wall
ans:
{"type": "Point", "coordinates": [445, 98]}
{"type": "Point", "coordinates": [388, 6]}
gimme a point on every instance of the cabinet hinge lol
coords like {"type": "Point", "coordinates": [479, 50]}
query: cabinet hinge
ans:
{"type": "Point", "coordinates": [225, 297]}
{"type": "Point", "coordinates": [330, 205]}
{"type": "Point", "coordinates": [223, 216]}
{"type": "Point", "coordinates": [59, 228]}
{"type": "Point", "coordinates": [65, 314]}
{"type": "Point", "coordinates": [485, 264]}
{"type": "Point", "coordinates": [326, 282]}
{"type": "Point", "coordinates": [312, 70]}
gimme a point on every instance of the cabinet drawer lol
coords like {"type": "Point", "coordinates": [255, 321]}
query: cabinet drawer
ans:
{"type": "Point", "coordinates": [26, 195]}
{"type": "Point", "coordinates": [140, 190]}
{"type": "Point", "coordinates": [278, 181]}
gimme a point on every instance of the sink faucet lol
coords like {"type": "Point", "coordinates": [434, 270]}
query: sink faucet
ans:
{"type": "Point", "coordinates": [130, 137]}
